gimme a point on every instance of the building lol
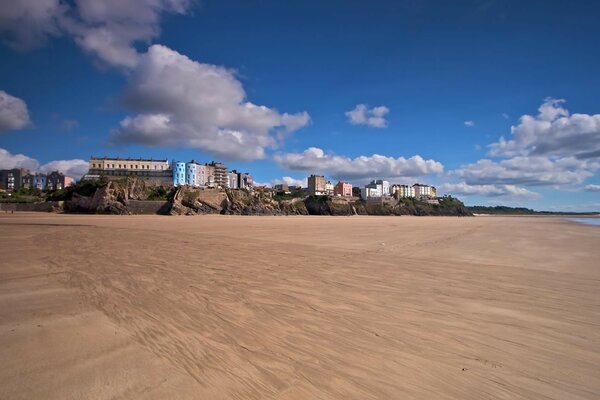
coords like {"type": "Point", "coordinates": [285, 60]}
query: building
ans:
{"type": "Point", "coordinates": [329, 188]}
{"type": "Point", "coordinates": [11, 179]}
{"type": "Point", "coordinates": [220, 174]}
{"type": "Point", "coordinates": [157, 170]}
{"type": "Point", "coordinates": [424, 191]}
{"type": "Point", "coordinates": [317, 185]}
{"type": "Point", "coordinates": [38, 181]}
{"type": "Point", "coordinates": [245, 181]}
{"type": "Point", "coordinates": [402, 191]}
{"type": "Point", "coordinates": [377, 188]}
{"type": "Point", "coordinates": [343, 189]}
{"type": "Point", "coordinates": [204, 175]}
{"type": "Point", "coordinates": [191, 174]}
{"type": "Point", "coordinates": [56, 181]}
{"type": "Point", "coordinates": [27, 181]}
{"type": "Point", "coordinates": [281, 188]}
{"type": "Point", "coordinates": [232, 179]}
{"type": "Point", "coordinates": [369, 192]}
{"type": "Point", "coordinates": [126, 167]}
{"type": "Point", "coordinates": [179, 173]}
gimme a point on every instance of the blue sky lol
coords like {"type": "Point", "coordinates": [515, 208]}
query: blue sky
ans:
{"type": "Point", "coordinates": [407, 91]}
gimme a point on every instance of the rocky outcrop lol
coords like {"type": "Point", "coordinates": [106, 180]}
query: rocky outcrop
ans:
{"type": "Point", "coordinates": [111, 198]}
{"type": "Point", "coordinates": [130, 196]}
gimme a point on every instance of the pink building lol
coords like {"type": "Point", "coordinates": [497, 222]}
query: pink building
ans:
{"type": "Point", "coordinates": [343, 189]}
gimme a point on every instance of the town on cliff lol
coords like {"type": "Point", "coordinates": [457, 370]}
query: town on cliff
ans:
{"type": "Point", "coordinates": [138, 185]}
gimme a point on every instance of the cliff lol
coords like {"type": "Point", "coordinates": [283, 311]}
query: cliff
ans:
{"type": "Point", "coordinates": [136, 196]}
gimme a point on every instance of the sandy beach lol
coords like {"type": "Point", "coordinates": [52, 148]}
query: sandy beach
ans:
{"type": "Point", "coordinates": [217, 307]}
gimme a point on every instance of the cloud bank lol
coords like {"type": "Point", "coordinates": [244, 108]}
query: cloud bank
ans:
{"type": "Point", "coordinates": [552, 148]}
{"type": "Point", "coordinates": [75, 168]}
{"type": "Point", "coordinates": [315, 160]}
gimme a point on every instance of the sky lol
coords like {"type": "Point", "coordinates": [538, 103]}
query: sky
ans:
{"type": "Point", "coordinates": [492, 101]}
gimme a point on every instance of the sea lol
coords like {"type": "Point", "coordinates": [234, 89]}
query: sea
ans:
{"type": "Point", "coordinates": [587, 221]}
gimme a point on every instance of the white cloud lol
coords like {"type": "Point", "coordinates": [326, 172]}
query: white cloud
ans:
{"type": "Point", "coordinates": [553, 148]}
{"type": "Point", "coordinates": [505, 116]}
{"type": "Point", "coordinates": [288, 180]}
{"type": "Point", "coordinates": [9, 161]}
{"type": "Point", "coordinates": [184, 103]}
{"type": "Point", "coordinates": [27, 23]}
{"type": "Point", "coordinates": [511, 191]}
{"type": "Point", "coordinates": [107, 29]}
{"type": "Point", "coordinates": [315, 160]}
{"type": "Point", "coordinates": [13, 113]}
{"type": "Point", "coordinates": [592, 188]}
{"type": "Point", "coordinates": [362, 115]}
{"type": "Point", "coordinates": [75, 168]}
{"type": "Point", "coordinates": [553, 132]}
{"type": "Point", "coordinates": [470, 124]}
{"type": "Point", "coordinates": [527, 170]}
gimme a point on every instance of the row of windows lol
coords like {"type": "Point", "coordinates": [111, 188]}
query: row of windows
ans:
{"type": "Point", "coordinates": [124, 166]}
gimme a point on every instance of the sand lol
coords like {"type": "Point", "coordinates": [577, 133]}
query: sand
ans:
{"type": "Point", "coordinates": [216, 307]}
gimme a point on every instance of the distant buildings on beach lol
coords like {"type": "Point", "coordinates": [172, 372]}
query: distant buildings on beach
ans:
{"type": "Point", "coordinates": [15, 179]}
{"type": "Point", "coordinates": [176, 173]}
{"type": "Point", "coordinates": [210, 175]}
{"type": "Point", "coordinates": [318, 185]}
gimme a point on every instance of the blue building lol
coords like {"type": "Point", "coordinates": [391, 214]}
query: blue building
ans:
{"type": "Point", "coordinates": [191, 172]}
{"type": "Point", "coordinates": [38, 181]}
{"type": "Point", "coordinates": [178, 173]}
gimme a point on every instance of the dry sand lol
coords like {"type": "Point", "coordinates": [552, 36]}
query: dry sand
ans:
{"type": "Point", "coordinates": [214, 307]}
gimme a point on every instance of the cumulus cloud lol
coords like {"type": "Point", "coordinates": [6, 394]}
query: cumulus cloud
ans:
{"type": "Point", "coordinates": [592, 188]}
{"type": "Point", "coordinates": [177, 102]}
{"type": "Point", "coordinates": [363, 115]}
{"type": "Point", "coordinates": [107, 29]}
{"type": "Point", "coordinates": [510, 191]}
{"type": "Point", "coordinates": [552, 132]}
{"type": "Point", "coordinates": [288, 180]}
{"type": "Point", "coordinates": [181, 102]}
{"type": "Point", "coordinates": [315, 160]}
{"type": "Point", "coordinates": [9, 161]}
{"type": "Point", "coordinates": [75, 168]}
{"type": "Point", "coordinates": [527, 170]}
{"type": "Point", "coordinates": [27, 23]}
{"type": "Point", "coordinates": [469, 124]}
{"type": "Point", "coordinates": [13, 113]}
{"type": "Point", "coordinates": [552, 148]}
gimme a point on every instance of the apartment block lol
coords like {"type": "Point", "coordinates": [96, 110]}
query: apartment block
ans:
{"type": "Point", "coordinates": [317, 185]}
{"type": "Point", "coordinates": [343, 189]}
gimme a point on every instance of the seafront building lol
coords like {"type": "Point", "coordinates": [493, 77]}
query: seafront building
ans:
{"type": "Point", "coordinates": [343, 189]}
{"type": "Point", "coordinates": [158, 171]}
{"type": "Point", "coordinates": [381, 188]}
{"type": "Point", "coordinates": [317, 185]}
{"type": "Point", "coordinates": [14, 179]}
{"type": "Point", "coordinates": [402, 191]}
{"type": "Point", "coordinates": [213, 174]}
{"type": "Point", "coordinates": [163, 172]}
{"type": "Point", "coordinates": [424, 191]}
{"type": "Point", "coordinates": [57, 181]}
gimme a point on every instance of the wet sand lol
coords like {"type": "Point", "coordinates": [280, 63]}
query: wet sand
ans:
{"type": "Point", "coordinates": [216, 307]}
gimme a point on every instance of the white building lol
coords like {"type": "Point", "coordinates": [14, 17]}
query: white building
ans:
{"type": "Point", "coordinates": [402, 191]}
{"type": "Point", "coordinates": [370, 192]}
{"type": "Point", "coordinates": [329, 188]}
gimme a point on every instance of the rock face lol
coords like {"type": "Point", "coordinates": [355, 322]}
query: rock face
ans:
{"type": "Point", "coordinates": [112, 198]}
{"type": "Point", "coordinates": [129, 197]}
